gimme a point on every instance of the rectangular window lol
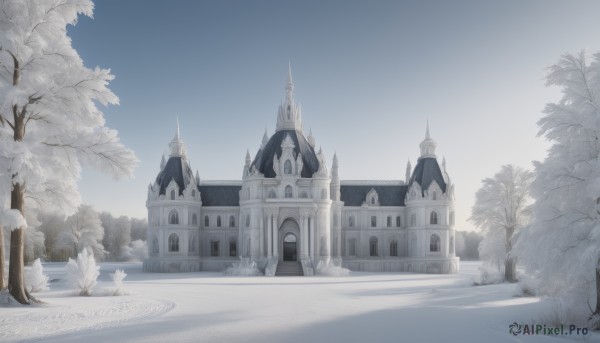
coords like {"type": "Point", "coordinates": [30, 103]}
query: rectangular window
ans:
{"type": "Point", "coordinates": [373, 221]}
{"type": "Point", "coordinates": [394, 249]}
{"type": "Point", "coordinates": [214, 248]}
{"type": "Point", "coordinates": [352, 247]}
{"type": "Point", "coordinates": [232, 249]}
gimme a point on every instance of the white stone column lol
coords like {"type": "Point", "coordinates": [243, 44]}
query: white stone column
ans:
{"type": "Point", "coordinates": [269, 236]}
{"type": "Point", "coordinates": [275, 237]}
{"type": "Point", "coordinates": [312, 236]}
{"type": "Point", "coordinates": [261, 235]}
{"type": "Point", "coordinates": [304, 235]}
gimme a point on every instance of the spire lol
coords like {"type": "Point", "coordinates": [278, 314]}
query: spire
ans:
{"type": "Point", "coordinates": [408, 171]}
{"type": "Point", "coordinates": [444, 163]}
{"type": "Point", "coordinates": [197, 177]}
{"type": "Point", "coordinates": [176, 145]}
{"type": "Point", "coordinates": [248, 159]}
{"type": "Point", "coordinates": [334, 167]}
{"type": "Point", "coordinates": [265, 139]}
{"type": "Point", "coordinates": [427, 145]}
{"type": "Point", "coordinates": [163, 162]}
{"type": "Point", "coordinates": [289, 116]}
{"type": "Point", "coordinates": [311, 139]}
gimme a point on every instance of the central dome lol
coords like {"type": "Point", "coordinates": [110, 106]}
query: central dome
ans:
{"type": "Point", "coordinates": [263, 162]}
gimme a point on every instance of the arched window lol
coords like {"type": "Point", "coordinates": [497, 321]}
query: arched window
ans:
{"type": "Point", "coordinates": [232, 247]}
{"type": "Point", "coordinates": [373, 201]}
{"type": "Point", "coordinates": [323, 193]}
{"type": "Point", "coordinates": [413, 219]}
{"type": "Point", "coordinates": [434, 195]}
{"type": "Point", "coordinates": [398, 221]}
{"type": "Point", "coordinates": [218, 221]}
{"type": "Point", "coordinates": [373, 246]}
{"type": "Point", "coordinates": [451, 245]}
{"type": "Point", "coordinates": [434, 243]}
{"type": "Point", "coordinates": [194, 219]}
{"type": "Point", "coordinates": [289, 193]}
{"type": "Point", "coordinates": [173, 217]}
{"type": "Point", "coordinates": [214, 248]}
{"type": "Point", "coordinates": [389, 221]}
{"type": "Point", "coordinates": [452, 218]}
{"type": "Point", "coordinates": [206, 221]}
{"type": "Point", "coordinates": [352, 247]}
{"type": "Point", "coordinates": [172, 194]}
{"type": "Point", "coordinates": [231, 221]}
{"type": "Point", "coordinates": [394, 248]}
{"type": "Point", "coordinates": [373, 221]}
{"type": "Point", "coordinates": [272, 194]}
{"type": "Point", "coordinates": [433, 217]}
{"type": "Point", "coordinates": [155, 246]}
{"type": "Point", "coordinates": [247, 220]}
{"type": "Point", "coordinates": [173, 242]}
{"type": "Point", "coordinates": [351, 221]}
{"type": "Point", "coordinates": [287, 167]}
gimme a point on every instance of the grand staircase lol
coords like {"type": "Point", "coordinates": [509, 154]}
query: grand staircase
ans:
{"type": "Point", "coordinates": [287, 268]}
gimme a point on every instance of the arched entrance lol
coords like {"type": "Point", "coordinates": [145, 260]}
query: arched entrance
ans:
{"type": "Point", "coordinates": [290, 247]}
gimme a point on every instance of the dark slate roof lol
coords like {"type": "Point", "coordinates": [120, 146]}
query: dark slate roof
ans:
{"type": "Point", "coordinates": [220, 195]}
{"type": "Point", "coordinates": [427, 170]}
{"type": "Point", "coordinates": [264, 158]}
{"type": "Point", "coordinates": [175, 169]}
{"type": "Point", "coordinates": [355, 195]}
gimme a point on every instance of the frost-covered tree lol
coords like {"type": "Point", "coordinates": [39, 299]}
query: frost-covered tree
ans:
{"type": "Point", "coordinates": [562, 245]}
{"type": "Point", "coordinates": [50, 125]}
{"type": "Point", "coordinates": [117, 236]}
{"type": "Point", "coordinates": [51, 225]}
{"type": "Point", "coordinates": [502, 208]}
{"type": "Point", "coordinates": [83, 231]}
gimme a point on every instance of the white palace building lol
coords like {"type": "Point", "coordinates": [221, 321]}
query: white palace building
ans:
{"type": "Point", "coordinates": [290, 211]}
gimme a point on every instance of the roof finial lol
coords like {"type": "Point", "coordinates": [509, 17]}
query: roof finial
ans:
{"type": "Point", "coordinates": [290, 84]}
{"type": "Point", "coordinates": [427, 145]}
{"type": "Point", "coordinates": [427, 130]}
{"type": "Point", "coordinates": [176, 145]}
{"type": "Point", "coordinates": [177, 132]}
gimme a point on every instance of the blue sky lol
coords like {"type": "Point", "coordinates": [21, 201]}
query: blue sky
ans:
{"type": "Point", "coordinates": [368, 75]}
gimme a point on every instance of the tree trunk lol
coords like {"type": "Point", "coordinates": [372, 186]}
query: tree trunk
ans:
{"type": "Point", "coordinates": [510, 264]}
{"type": "Point", "coordinates": [16, 282]}
{"type": "Point", "coordinates": [2, 285]}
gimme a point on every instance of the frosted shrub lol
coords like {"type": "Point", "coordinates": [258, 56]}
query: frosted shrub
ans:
{"type": "Point", "coordinates": [117, 278]}
{"type": "Point", "coordinates": [489, 274]}
{"type": "Point", "coordinates": [83, 272]}
{"type": "Point", "coordinates": [246, 267]}
{"type": "Point", "coordinates": [328, 268]}
{"type": "Point", "coordinates": [139, 250]}
{"type": "Point", "coordinates": [35, 279]}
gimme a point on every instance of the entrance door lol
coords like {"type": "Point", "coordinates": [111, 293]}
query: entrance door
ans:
{"type": "Point", "coordinates": [289, 248]}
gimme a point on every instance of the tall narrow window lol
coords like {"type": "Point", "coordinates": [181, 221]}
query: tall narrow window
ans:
{"type": "Point", "coordinates": [434, 243]}
{"type": "Point", "coordinates": [373, 221]}
{"type": "Point", "coordinates": [287, 167]}
{"type": "Point", "coordinates": [214, 248]}
{"type": "Point", "coordinates": [352, 247]}
{"type": "Point", "coordinates": [413, 219]}
{"type": "Point", "coordinates": [173, 243]}
{"type": "Point", "coordinates": [434, 195]}
{"type": "Point", "coordinates": [172, 194]}
{"type": "Point", "coordinates": [247, 220]}
{"type": "Point", "coordinates": [289, 193]}
{"type": "Point", "coordinates": [232, 247]}
{"type": "Point", "coordinates": [389, 221]}
{"type": "Point", "coordinates": [206, 221]}
{"type": "Point", "coordinates": [433, 218]}
{"type": "Point", "coordinates": [173, 217]}
{"type": "Point", "coordinates": [398, 221]}
{"type": "Point", "coordinates": [231, 221]}
{"type": "Point", "coordinates": [351, 221]}
{"type": "Point", "coordinates": [394, 248]}
{"type": "Point", "coordinates": [154, 246]}
{"type": "Point", "coordinates": [192, 243]}
{"type": "Point", "coordinates": [218, 221]}
{"type": "Point", "coordinates": [194, 219]}
{"type": "Point", "coordinates": [373, 246]}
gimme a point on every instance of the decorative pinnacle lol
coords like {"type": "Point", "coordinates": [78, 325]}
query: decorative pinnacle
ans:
{"type": "Point", "coordinates": [248, 160]}
{"type": "Point", "coordinates": [427, 130]}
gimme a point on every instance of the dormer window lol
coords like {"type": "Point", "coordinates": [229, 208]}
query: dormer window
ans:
{"type": "Point", "coordinates": [287, 167]}
{"type": "Point", "coordinates": [172, 194]}
{"type": "Point", "coordinates": [372, 201]}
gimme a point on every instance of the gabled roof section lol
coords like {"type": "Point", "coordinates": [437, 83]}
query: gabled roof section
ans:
{"type": "Point", "coordinates": [356, 195]}
{"type": "Point", "coordinates": [220, 195]}
{"type": "Point", "coordinates": [427, 170]}
{"type": "Point", "coordinates": [177, 169]}
{"type": "Point", "coordinates": [263, 161]}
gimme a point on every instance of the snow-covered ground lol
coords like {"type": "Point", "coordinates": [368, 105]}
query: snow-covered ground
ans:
{"type": "Point", "coordinates": [211, 307]}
